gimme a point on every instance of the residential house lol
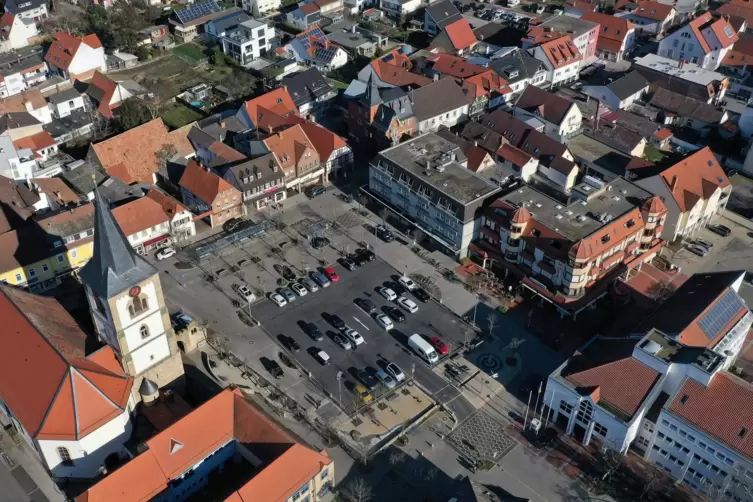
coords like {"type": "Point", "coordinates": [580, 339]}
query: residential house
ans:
{"type": "Point", "coordinates": [20, 70]}
{"type": "Point", "coordinates": [438, 15]}
{"type": "Point", "coordinates": [680, 110]}
{"type": "Point", "coordinates": [676, 363]}
{"type": "Point", "coordinates": [35, 10]}
{"type": "Point", "coordinates": [259, 8]}
{"type": "Point", "coordinates": [616, 36]}
{"type": "Point", "coordinates": [220, 26]}
{"type": "Point", "coordinates": [685, 8]}
{"type": "Point", "coordinates": [398, 9]}
{"type": "Point", "coordinates": [478, 160]}
{"type": "Point", "coordinates": [298, 158]}
{"type": "Point", "coordinates": [19, 125]}
{"type": "Point", "coordinates": [455, 38]}
{"type": "Point", "coordinates": [333, 151]}
{"type": "Point", "coordinates": [703, 41]}
{"type": "Point", "coordinates": [577, 8]}
{"type": "Point", "coordinates": [569, 253]}
{"type": "Point", "coordinates": [426, 179]}
{"type": "Point", "coordinates": [327, 7]}
{"type": "Point", "coordinates": [649, 16]}
{"type": "Point", "coordinates": [189, 23]}
{"type": "Point", "coordinates": [310, 91]}
{"type": "Point", "coordinates": [76, 58]}
{"type": "Point", "coordinates": [53, 194]}
{"type": "Point", "coordinates": [179, 218]}
{"type": "Point", "coordinates": [249, 41]}
{"type": "Point", "coordinates": [391, 70]}
{"type": "Point", "coordinates": [15, 32]}
{"type": "Point", "coordinates": [740, 9]}
{"type": "Point", "coordinates": [519, 69]}
{"type": "Point", "coordinates": [238, 442]}
{"type": "Point", "coordinates": [441, 103]}
{"type": "Point", "coordinates": [313, 48]}
{"type": "Point", "coordinates": [65, 102]}
{"type": "Point", "coordinates": [561, 117]}
{"type": "Point", "coordinates": [209, 196]}
{"type": "Point", "coordinates": [381, 116]}
{"type": "Point", "coordinates": [42, 145]}
{"type": "Point", "coordinates": [107, 94]}
{"type": "Point", "coordinates": [621, 93]}
{"type": "Point", "coordinates": [260, 180]}
{"type": "Point", "coordinates": [269, 111]}
{"type": "Point", "coordinates": [585, 34]}
{"type": "Point", "coordinates": [561, 58]}
{"type": "Point", "coordinates": [602, 156]}
{"type": "Point", "coordinates": [31, 101]}
{"type": "Point", "coordinates": [304, 17]}
{"type": "Point", "coordinates": [132, 156]}
{"type": "Point", "coordinates": [15, 165]}
{"type": "Point", "coordinates": [694, 191]}
{"type": "Point", "coordinates": [687, 78]}
{"type": "Point", "coordinates": [737, 61]}
{"type": "Point", "coordinates": [144, 224]}
{"type": "Point", "coordinates": [18, 199]}
{"type": "Point", "coordinates": [358, 41]}
{"type": "Point", "coordinates": [612, 134]}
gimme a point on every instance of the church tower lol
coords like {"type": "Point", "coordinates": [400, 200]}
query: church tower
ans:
{"type": "Point", "coordinates": [128, 308]}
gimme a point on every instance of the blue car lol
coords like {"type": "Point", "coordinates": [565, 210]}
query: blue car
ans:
{"type": "Point", "coordinates": [320, 279]}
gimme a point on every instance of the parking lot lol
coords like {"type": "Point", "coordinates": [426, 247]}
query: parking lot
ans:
{"type": "Point", "coordinates": [380, 345]}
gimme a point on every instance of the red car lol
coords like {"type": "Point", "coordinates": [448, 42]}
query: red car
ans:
{"type": "Point", "coordinates": [439, 345]}
{"type": "Point", "coordinates": [331, 274]}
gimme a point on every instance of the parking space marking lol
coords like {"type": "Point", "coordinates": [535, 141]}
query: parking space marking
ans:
{"type": "Point", "coordinates": [362, 324]}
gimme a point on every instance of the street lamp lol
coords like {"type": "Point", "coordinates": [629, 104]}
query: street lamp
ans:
{"type": "Point", "coordinates": [339, 387]}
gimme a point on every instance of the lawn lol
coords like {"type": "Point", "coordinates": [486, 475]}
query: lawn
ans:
{"type": "Point", "coordinates": [190, 51]}
{"type": "Point", "coordinates": [653, 154]}
{"type": "Point", "coordinates": [178, 115]}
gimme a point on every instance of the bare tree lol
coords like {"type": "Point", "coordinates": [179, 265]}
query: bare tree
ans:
{"type": "Point", "coordinates": [417, 235]}
{"type": "Point", "coordinates": [164, 154]}
{"type": "Point", "coordinates": [612, 460]}
{"type": "Point", "coordinates": [660, 291]}
{"type": "Point", "coordinates": [358, 490]}
{"type": "Point", "coordinates": [396, 456]}
{"type": "Point", "coordinates": [101, 126]}
{"type": "Point", "coordinates": [155, 106]}
{"type": "Point", "coordinates": [491, 322]}
{"type": "Point", "coordinates": [650, 479]}
{"type": "Point", "coordinates": [384, 213]}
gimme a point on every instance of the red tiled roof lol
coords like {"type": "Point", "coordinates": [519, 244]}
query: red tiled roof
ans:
{"type": "Point", "coordinates": [18, 102]}
{"type": "Point", "coordinates": [460, 34]}
{"type": "Point", "coordinates": [138, 215]}
{"type": "Point", "coordinates": [654, 205]}
{"type": "Point", "coordinates": [47, 381]}
{"type": "Point", "coordinates": [663, 134]}
{"type": "Point", "coordinates": [292, 148]}
{"type": "Point", "coordinates": [397, 75]}
{"type": "Point", "coordinates": [35, 142]}
{"type": "Point", "coordinates": [515, 156]}
{"type": "Point", "coordinates": [612, 30]}
{"type": "Point", "coordinates": [271, 109]}
{"type": "Point", "coordinates": [397, 58]}
{"type": "Point", "coordinates": [738, 8]}
{"type": "Point", "coordinates": [582, 5]}
{"type": "Point", "coordinates": [653, 10]}
{"type": "Point", "coordinates": [106, 89]}
{"type": "Point", "coordinates": [309, 8]}
{"type": "Point", "coordinates": [64, 47]}
{"type": "Point", "coordinates": [549, 106]}
{"type": "Point", "coordinates": [57, 189]}
{"type": "Point", "coordinates": [723, 410]}
{"type": "Point", "coordinates": [169, 205]}
{"type": "Point", "coordinates": [203, 183]}
{"type": "Point", "coordinates": [561, 52]}
{"type": "Point", "coordinates": [454, 66]}
{"type": "Point", "coordinates": [539, 34]}
{"type": "Point", "coordinates": [695, 178]}
{"type": "Point", "coordinates": [324, 141]}
{"type": "Point", "coordinates": [717, 25]}
{"type": "Point", "coordinates": [6, 22]}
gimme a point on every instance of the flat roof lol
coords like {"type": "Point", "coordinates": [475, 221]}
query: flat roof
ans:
{"type": "Point", "coordinates": [349, 39]}
{"type": "Point", "coordinates": [666, 349]}
{"type": "Point", "coordinates": [689, 71]}
{"type": "Point", "coordinates": [444, 172]}
{"type": "Point", "coordinates": [581, 217]}
{"type": "Point", "coordinates": [20, 59]}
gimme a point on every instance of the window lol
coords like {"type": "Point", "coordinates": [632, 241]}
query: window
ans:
{"type": "Point", "coordinates": [65, 456]}
{"type": "Point", "coordinates": [673, 427]}
{"type": "Point", "coordinates": [661, 435]}
{"type": "Point", "coordinates": [32, 272]}
{"type": "Point", "coordinates": [74, 253]}
{"type": "Point", "coordinates": [600, 430]}
{"type": "Point", "coordinates": [144, 331]}
{"type": "Point", "coordinates": [18, 278]}
{"type": "Point", "coordinates": [567, 408]}
{"type": "Point", "coordinates": [61, 258]}
{"type": "Point", "coordinates": [324, 474]}
{"type": "Point", "coordinates": [138, 305]}
{"type": "Point", "coordinates": [45, 268]}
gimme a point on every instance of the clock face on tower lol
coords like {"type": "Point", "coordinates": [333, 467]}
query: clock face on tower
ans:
{"type": "Point", "coordinates": [134, 291]}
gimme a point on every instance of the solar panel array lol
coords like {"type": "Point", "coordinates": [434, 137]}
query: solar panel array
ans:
{"type": "Point", "coordinates": [308, 35]}
{"type": "Point", "coordinates": [197, 10]}
{"type": "Point", "coordinates": [720, 314]}
{"type": "Point", "coordinates": [323, 51]}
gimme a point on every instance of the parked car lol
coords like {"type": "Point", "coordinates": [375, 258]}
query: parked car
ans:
{"type": "Point", "coordinates": [165, 253]}
{"type": "Point", "coordinates": [322, 357]}
{"type": "Point", "coordinates": [365, 254]}
{"type": "Point", "coordinates": [421, 295]}
{"type": "Point", "coordinates": [698, 250]}
{"type": "Point", "coordinates": [299, 289]}
{"type": "Point", "coordinates": [365, 305]}
{"type": "Point", "coordinates": [342, 341]}
{"type": "Point", "coordinates": [407, 283]}
{"type": "Point", "coordinates": [395, 313]}
{"type": "Point", "coordinates": [386, 379]}
{"type": "Point", "coordinates": [320, 279]}
{"type": "Point", "coordinates": [439, 345]}
{"type": "Point", "coordinates": [246, 294]}
{"type": "Point", "coordinates": [387, 293]}
{"type": "Point", "coordinates": [310, 285]}
{"type": "Point", "coordinates": [313, 331]}
{"type": "Point", "coordinates": [384, 321]}
{"type": "Point", "coordinates": [407, 304]}
{"type": "Point", "coordinates": [287, 293]}
{"type": "Point", "coordinates": [354, 336]}
{"type": "Point", "coordinates": [180, 320]}
{"type": "Point", "coordinates": [272, 367]}
{"type": "Point", "coordinates": [232, 225]}
{"type": "Point", "coordinates": [363, 393]}
{"type": "Point", "coordinates": [384, 234]}
{"type": "Point", "coordinates": [720, 230]}
{"type": "Point", "coordinates": [369, 381]}
{"type": "Point", "coordinates": [314, 191]}
{"type": "Point", "coordinates": [704, 243]}
{"type": "Point", "coordinates": [278, 299]}
{"type": "Point", "coordinates": [289, 343]}
{"type": "Point", "coordinates": [348, 264]}
{"type": "Point", "coordinates": [395, 371]}
{"type": "Point", "coordinates": [331, 274]}
{"type": "Point", "coordinates": [336, 321]}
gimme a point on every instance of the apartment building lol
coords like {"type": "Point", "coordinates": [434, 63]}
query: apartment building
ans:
{"type": "Point", "coordinates": [703, 41]}
{"type": "Point", "coordinates": [569, 253]}
{"type": "Point", "coordinates": [585, 34]}
{"type": "Point", "coordinates": [21, 69]}
{"type": "Point", "coordinates": [690, 79]}
{"type": "Point", "coordinates": [438, 15]}
{"type": "Point", "coordinates": [426, 178]}
{"type": "Point", "coordinates": [248, 42]}
{"type": "Point", "coordinates": [561, 58]}
{"type": "Point", "coordinates": [649, 16]}
{"type": "Point", "coordinates": [519, 69]}
{"type": "Point", "coordinates": [209, 196]}
{"type": "Point", "coordinates": [261, 181]}
{"type": "Point", "coordinates": [33, 10]}
{"type": "Point", "coordinates": [560, 116]}
{"type": "Point", "coordinates": [76, 58]}
{"type": "Point", "coordinates": [682, 410]}
{"type": "Point", "coordinates": [616, 36]}
{"type": "Point", "coordinates": [694, 191]}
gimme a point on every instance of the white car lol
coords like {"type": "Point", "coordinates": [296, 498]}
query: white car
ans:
{"type": "Point", "coordinates": [407, 304]}
{"type": "Point", "coordinates": [407, 283]}
{"type": "Point", "coordinates": [387, 293]}
{"type": "Point", "coordinates": [395, 372]}
{"type": "Point", "coordinates": [354, 336]}
{"type": "Point", "coordinates": [384, 321]}
{"type": "Point", "coordinates": [165, 253]}
{"type": "Point", "coordinates": [278, 299]}
{"type": "Point", "coordinates": [299, 289]}
{"type": "Point", "coordinates": [386, 379]}
{"type": "Point", "coordinates": [246, 293]}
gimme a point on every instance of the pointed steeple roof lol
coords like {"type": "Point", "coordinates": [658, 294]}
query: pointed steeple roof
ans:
{"type": "Point", "coordinates": [372, 92]}
{"type": "Point", "coordinates": [115, 266]}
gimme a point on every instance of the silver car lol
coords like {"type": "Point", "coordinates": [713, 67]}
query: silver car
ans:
{"type": "Point", "coordinates": [698, 250]}
{"type": "Point", "coordinates": [289, 295]}
{"type": "Point", "coordinates": [386, 379]}
{"type": "Point", "coordinates": [310, 285]}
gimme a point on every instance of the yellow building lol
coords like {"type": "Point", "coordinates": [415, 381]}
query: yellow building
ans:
{"type": "Point", "coordinates": [41, 253]}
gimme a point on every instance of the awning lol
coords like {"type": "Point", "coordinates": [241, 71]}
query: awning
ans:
{"type": "Point", "coordinates": [156, 240]}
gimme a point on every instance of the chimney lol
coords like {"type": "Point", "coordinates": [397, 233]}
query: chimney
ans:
{"type": "Point", "coordinates": [674, 183]}
{"type": "Point", "coordinates": [436, 77]}
{"type": "Point", "coordinates": [428, 165]}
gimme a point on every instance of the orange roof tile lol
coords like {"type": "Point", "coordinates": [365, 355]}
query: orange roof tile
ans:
{"type": "Point", "coordinates": [653, 10]}
{"type": "Point", "coordinates": [271, 109]}
{"type": "Point", "coordinates": [454, 66]}
{"type": "Point", "coordinates": [654, 205]}
{"type": "Point", "coordinates": [18, 102]}
{"type": "Point", "coordinates": [690, 179]}
{"type": "Point", "coordinates": [718, 25]}
{"type": "Point", "coordinates": [140, 480]}
{"type": "Point", "coordinates": [539, 34]}
{"type": "Point", "coordinates": [738, 8]}
{"type": "Point", "coordinates": [324, 140]}
{"type": "Point", "coordinates": [169, 205]}
{"type": "Point", "coordinates": [663, 134]}
{"type": "Point", "coordinates": [6, 22]}
{"type": "Point", "coordinates": [138, 215]}
{"type": "Point", "coordinates": [56, 188]}
{"type": "Point", "coordinates": [612, 30]}
{"type": "Point", "coordinates": [102, 89]}
{"type": "Point", "coordinates": [561, 52]}
{"type": "Point", "coordinates": [397, 75]}
{"type": "Point", "coordinates": [291, 147]}
{"type": "Point", "coordinates": [64, 47]}
{"type": "Point", "coordinates": [309, 8]}
{"type": "Point", "coordinates": [514, 155]}
{"type": "Point", "coordinates": [460, 34]}
{"type": "Point", "coordinates": [35, 142]}
{"type": "Point", "coordinates": [203, 183]}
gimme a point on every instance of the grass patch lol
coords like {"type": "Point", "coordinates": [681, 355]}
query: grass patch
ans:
{"type": "Point", "coordinates": [653, 154]}
{"type": "Point", "coordinates": [191, 51]}
{"type": "Point", "coordinates": [179, 115]}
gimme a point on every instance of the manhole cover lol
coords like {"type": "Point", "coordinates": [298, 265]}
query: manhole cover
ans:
{"type": "Point", "coordinates": [489, 362]}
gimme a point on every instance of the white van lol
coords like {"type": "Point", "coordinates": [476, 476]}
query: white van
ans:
{"type": "Point", "coordinates": [422, 348]}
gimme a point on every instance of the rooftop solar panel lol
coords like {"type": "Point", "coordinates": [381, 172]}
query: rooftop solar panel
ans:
{"type": "Point", "coordinates": [720, 314]}
{"type": "Point", "coordinates": [197, 10]}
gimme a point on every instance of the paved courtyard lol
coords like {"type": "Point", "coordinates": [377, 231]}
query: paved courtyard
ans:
{"type": "Point", "coordinates": [481, 437]}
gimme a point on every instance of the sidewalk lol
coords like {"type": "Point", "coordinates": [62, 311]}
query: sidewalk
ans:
{"type": "Point", "coordinates": [22, 476]}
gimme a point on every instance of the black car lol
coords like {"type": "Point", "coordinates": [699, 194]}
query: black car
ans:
{"type": "Point", "coordinates": [272, 367]}
{"type": "Point", "coordinates": [365, 305]}
{"type": "Point", "coordinates": [336, 321]}
{"type": "Point", "coordinates": [369, 381]}
{"type": "Point", "coordinates": [313, 331]}
{"type": "Point", "coordinates": [232, 225]}
{"type": "Point", "coordinates": [395, 314]}
{"type": "Point", "coordinates": [291, 344]}
{"type": "Point", "coordinates": [319, 242]}
{"type": "Point", "coordinates": [421, 294]}
{"type": "Point", "coordinates": [384, 234]}
{"type": "Point", "coordinates": [285, 272]}
{"type": "Point", "coordinates": [365, 254]}
{"type": "Point", "coordinates": [720, 230]}
{"type": "Point", "coordinates": [314, 191]}
{"type": "Point", "coordinates": [348, 263]}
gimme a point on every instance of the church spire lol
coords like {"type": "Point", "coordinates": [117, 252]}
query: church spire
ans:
{"type": "Point", "coordinates": [114, 266]}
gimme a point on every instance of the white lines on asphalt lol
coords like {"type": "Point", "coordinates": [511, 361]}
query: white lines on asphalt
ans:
{"type": "Point", "coordinates": [362, 324]}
